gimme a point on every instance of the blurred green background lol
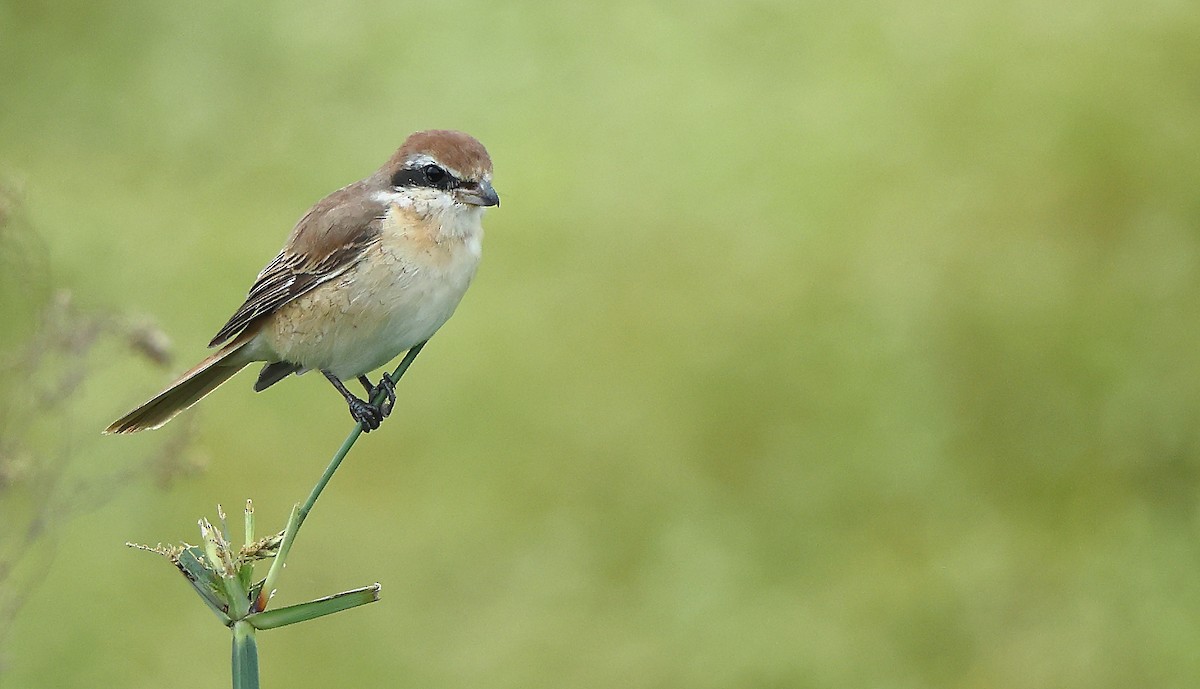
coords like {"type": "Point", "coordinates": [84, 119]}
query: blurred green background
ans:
{"type": "Point", "coordinates": [815, 344]}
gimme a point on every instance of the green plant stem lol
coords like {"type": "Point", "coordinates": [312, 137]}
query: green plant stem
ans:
{"type": "Point", "coordinates": [245, 656]}
{"type": "Point", "coordinates": [401, 369]}
{"type": "Point", "coordinates": [302, 512]}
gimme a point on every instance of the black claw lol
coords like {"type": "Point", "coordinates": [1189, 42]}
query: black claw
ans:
{"type": "Point", "coordinates": [387, 386]}
{"type": "Point", "coordinates": [365, 413]}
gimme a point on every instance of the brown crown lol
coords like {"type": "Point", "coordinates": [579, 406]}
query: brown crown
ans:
{"type": "Point", "coordinates": [453, 149]}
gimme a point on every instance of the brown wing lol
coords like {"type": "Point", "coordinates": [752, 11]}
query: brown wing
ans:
{"type": "Point", "coordinates": [327, 241]}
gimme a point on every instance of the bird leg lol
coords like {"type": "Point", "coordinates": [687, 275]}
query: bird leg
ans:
{"type": "Point", "coordinates": [367, 414]}
{"type": "Point", "coordinates": [387, 386]}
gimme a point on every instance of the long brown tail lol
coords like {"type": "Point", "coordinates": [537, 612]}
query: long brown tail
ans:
{"type": "Point", "coordinates": [189, 389]}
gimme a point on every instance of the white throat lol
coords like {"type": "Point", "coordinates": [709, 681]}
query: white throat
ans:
{"type": "Point", "coordinates": [453, 220]}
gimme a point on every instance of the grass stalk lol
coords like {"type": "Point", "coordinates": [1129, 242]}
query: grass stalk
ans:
{"type": "Point", "coordinates": [245, 656]}
{"type": "Point", "coordinates": [302, 511]}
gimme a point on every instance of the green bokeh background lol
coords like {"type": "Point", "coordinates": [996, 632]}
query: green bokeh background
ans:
{"type": "Point", "coordinates": [815, 345]}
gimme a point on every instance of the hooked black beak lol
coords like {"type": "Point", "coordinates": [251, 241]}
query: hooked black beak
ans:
{"type": "Point", "coordinates": [479, 195]}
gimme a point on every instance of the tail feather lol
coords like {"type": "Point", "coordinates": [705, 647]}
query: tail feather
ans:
{"type": "Point", "coordinates": [273, 373]}
{"type": "Point", "coordinates": [189, 389]}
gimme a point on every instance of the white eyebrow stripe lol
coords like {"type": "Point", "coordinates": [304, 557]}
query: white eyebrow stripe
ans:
{"type": "Point", "coordinates": [421, 159]}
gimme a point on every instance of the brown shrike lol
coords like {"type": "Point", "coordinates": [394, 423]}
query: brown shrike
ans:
{"type": "Point", "coordinates": [370, 271]}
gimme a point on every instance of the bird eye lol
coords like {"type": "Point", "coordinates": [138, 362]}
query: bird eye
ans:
{"type": "Point", "coordinates": [434, 174]}
{"type": "Point", "coordinates": [430, 175]}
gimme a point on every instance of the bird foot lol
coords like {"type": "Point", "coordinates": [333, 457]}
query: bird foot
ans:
{"type": "Point", "coordinates": [388, 387]}
{"type": "Point", "coordinates": [367, 414]}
